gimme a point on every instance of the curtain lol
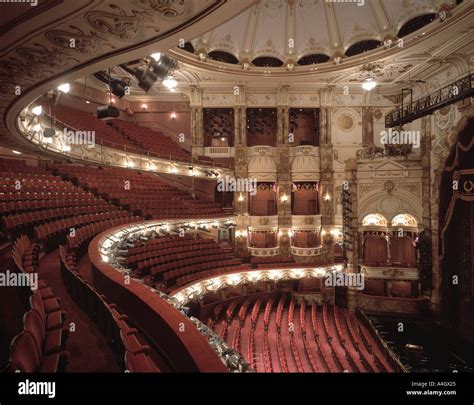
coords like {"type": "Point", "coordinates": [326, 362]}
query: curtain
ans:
{"type": "Point", "coordinates": [402, 251]}
{"type": "Point", "coordinates": [375, 251]}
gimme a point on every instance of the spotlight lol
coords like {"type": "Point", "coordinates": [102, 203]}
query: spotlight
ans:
{"type": "Point", "coordinates": [64, 88]}
{"type": "Point", "coordinates": [156, 56]}
{"type": "Point", "coordinates": [118, 87]}
{"type": "Point", "coordinates": [162, 66]}
{"type": "Point", "coordinates": [146, 78]}
{"type": "Point", "coordinates": [49, 132]}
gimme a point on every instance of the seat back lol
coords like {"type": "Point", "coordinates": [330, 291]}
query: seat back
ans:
{"type": "Point", "coordinates": [36, 327]}
{"type": "Point", "coordinates": [24, 356]}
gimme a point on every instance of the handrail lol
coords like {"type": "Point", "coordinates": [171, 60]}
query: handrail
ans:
{"type": "Point", "coordinates": [146, 152]}
{"type": "Point", "coordinates": [455, 91]}
{"type": "Point", "coordinates": [172, 133]}
{"type": "Point", "coordinates": [170, 329]}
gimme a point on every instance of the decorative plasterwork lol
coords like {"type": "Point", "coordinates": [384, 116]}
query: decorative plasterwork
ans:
{"type": "Point", "coordinates": [390, 273]}
{"type": "Point", "coordinates": [306, 222]}
{"type": "Point", "coordinates": [263, 252]}
{"type": "Point", "coordinates": [79, 37]}
{"type": "Point", "coordinates": [304, 100]}
{"type": "Point", "coordinates": [261, 100]}
{"type": "Point", "coordinates": [218, 100]}
{"type": "Point", "coordinates": [305, 251]}
{"type": "Point", "coordinates": [313, 26]}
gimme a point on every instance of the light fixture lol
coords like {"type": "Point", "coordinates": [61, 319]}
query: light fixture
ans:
{"type": "Point", "coordinates": [38, 110]}
{"type": "Point", "coordinates": [284, 198]}
{"type": "Point", "coordinates": [223, 139]}
{"type": "Point", "coordinates": [170, 83]}
{"type": "Point", "coordinates": [88, 102]}
{"type": "Point", "coordinates": [156, 56]}
{"type": "Point", "coordinates": [241, 198]}
{"type": "Point", "coordinates": [173, 115]}
{"type": "Point", "coordinates": [144, 106]}
{"type": "Point", "coordinates": [369, 84]}
{"type": "Point", "coordinates": [16, 152]}
{"type": "Point", "coordinates": [64, 88]}
{"type": "Point", "coordinates": [327, 197]}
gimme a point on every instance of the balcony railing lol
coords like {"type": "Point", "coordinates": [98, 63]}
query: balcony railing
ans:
{"type": "Point", "coordinates": [426, 105]}
{"type": "Point", "coordinates": [144, 152]}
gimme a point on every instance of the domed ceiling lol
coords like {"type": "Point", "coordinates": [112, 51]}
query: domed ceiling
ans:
{"type": "Point", "coordinates": [274, 33]}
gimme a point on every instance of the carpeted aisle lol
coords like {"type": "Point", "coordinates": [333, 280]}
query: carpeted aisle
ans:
{"type": "Point", "coordinates": [88, 348]}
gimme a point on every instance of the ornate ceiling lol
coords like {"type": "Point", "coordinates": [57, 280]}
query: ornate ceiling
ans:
{"type": "Point", "coordinates": [264, 30]}
{"type": "Point", "coordinates": [291, 29]}
{"type": "Point", "coordinates": [61, 41]}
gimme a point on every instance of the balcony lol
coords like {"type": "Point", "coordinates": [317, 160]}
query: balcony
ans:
{"type": "Point", "coordinates": [306, 221]}
{"type": "Point", "coordinates": [391, 273]}
{"type": "Point", "coordinates": [305, 251]}
{"type": "Point", "coordinates": [264, 252]}
{"type": "Point", "coordinates": [219, 151]}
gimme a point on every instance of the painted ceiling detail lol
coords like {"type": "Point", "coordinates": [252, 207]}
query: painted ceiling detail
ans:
{"type": "Point", "coordinates": [291, 29]}
{"type": "Point", "coordinates": [77, 39]}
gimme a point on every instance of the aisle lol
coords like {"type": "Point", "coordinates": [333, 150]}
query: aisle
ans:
{"type": "Point", "coordinates": [88, 348]}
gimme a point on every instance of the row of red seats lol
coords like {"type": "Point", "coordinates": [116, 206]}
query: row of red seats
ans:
{"type": "Point", "coordinates": [316, 328]}
{"type": "Point", "coordinates": [304, 335]}
{"type": "Point", "coordinates": [267, 355]}
{"type": "Point", "coordinates": [26, 196]}
{"type": "Point", "coordinates": [85, 234]}
{"type": "Point", "coordinates": [281, 351]}
{"type": "Point", "coordinates": [229, 315]}
{"type": "Point", "coordinates": [76, 119]}
{"type": "Point", "coordinates": [182, 259]}
{"type": "Point", "coordinates": [201, 264]}
{"type": "Point", "coordinates": [150, 198]}
{"type": "Point", "coordinates": [52, 229]}
{"type": "Point", "coordinates": [293, 345]}
{"type": "Point", "coordinates": [40, 347]}
{"type": "Point", "coordinates": [152, 257]}
{"type": "Point", "coordinates": [151, 140]}
{"type": "Point", "coordinates": [32, 218]}
{"type": "Point", "coordinates": [251, 350]}
{"type": "Point", "coordinates": [168, 244]}
{"type": "Point", "coordinates": [181, 281]}
{"type": "Point", "coordinates": [25, 254]}
{"type": "Point", "coordinates": [20, 206]}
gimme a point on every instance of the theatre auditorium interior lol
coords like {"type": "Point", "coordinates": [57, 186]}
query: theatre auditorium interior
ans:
{"type": "Point", "coordinates": [251, 186]}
